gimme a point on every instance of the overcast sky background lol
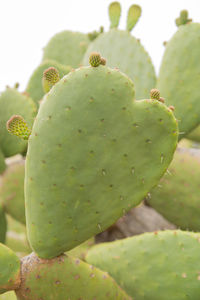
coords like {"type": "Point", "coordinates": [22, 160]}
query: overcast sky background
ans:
{"type": "Point", "coordinates": [27, 25]}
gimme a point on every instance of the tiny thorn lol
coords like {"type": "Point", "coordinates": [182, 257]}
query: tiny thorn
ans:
{"type": "Point", "coordinates": [16, 125]}
{"type": "Point", "coordinates": [181, 132]}
{"type": "Point", "coordinates": [155, 94]}
{"type": "Point", "coordinates": [134, 14]}
{"type": "Point", "coordinates": [114, 12]}
{"type": "Point", "coordinates": [50, 78]}
{"type": "Point", "coordinates": [95, 59]}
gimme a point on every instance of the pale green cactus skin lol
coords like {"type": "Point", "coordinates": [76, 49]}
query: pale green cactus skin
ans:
{"type": "Point", "coordinates": [9, 270]}
{"type": "Point", "coordinates": [162, 265]}
{"type": "Point", "coordinates": [99, 166]}
{"type": "Point", "coordinates": [177, 196]}
{"type": "Point", "coordinates": [179, 78]}
{"type": "Point", "coordinates": [125, 52]}
{"type": "Point", "coordinates": [12, 191]}
{"type": "Point", "coordinates": [14, 103]}
{"type": "Point", "coordinates": [67, 48]}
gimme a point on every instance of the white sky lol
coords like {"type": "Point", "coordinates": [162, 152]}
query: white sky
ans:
{"type": "Point", "coordinates": [27, 25]}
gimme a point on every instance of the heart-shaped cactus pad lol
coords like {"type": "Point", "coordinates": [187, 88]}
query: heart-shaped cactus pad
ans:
{"type": "Point", "coordinates": [93, 154]}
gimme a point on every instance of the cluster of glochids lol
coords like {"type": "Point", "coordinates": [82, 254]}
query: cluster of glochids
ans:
{"type": "Point", "coordinates": [92, 152]}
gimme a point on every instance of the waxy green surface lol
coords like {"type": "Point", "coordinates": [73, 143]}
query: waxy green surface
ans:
{"type": "Point", "coordinates": [153, 266]}
{"type": "Point", "coordinates": [64, 278]}
{"type": "Point", "coordinates": [179, 76]}
{"type": "Point", "coordinates": [177, 195]}
{"type": "Point", "coordinates": [100, 152]}
{"type": "Point", "coordinates": [67, 48]}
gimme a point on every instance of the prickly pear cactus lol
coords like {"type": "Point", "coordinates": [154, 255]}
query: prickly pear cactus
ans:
{"type": "Point", "coordinates": [179, 79]}
{"type": "Point", "coordinates": [125, 52]}
{"type": "Point", "coordinates": [12, 102]}
{"type": "Point", "coordinates": [34, 87]}
{"type": "Point", "coordinates": [162, 265]}
{"type": "Point", "coordinates": [176, 196]}
{"type": "Point", "coordinates": [3, 224]}
{"type": "Point", "coordinates": [12, 191]}
{"type": "Point", "coordinates": [100, 153]}
{"type": "Point", "coordinates": [67, 48]}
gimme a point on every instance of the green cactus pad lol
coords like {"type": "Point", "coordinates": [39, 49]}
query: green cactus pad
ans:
{"type": "Point", "coordinates": [64, 278]}
{"type": "Point", "coordinates": [134, 14]}
{"type": "Point", "coordinates": [12, 191]}
{"type": "Point", "coordinates": [114, 14]}
{"type": "Point", "coordinates": [194, 135]}
{"type": "Point", "coordinates": [67, 48]}
{"type": "Point", "coordinates": [3, 225]}
{"type": "Point", "coordinates": [179, 78]}
{"type": "Point", "coordinates": [176, 196]}
{"type": "Point", "coordinates": [125, 52]}
{"type": "Point", "coordinates": [14, 103]}
{"type": "Point", "coordinates": [9, 270]}
{"type": "Point", "coordinates": [34, 87]}
{"type": "Point", "coordinates": [162, 265]}
{"type": "Point", "coordinates": [100, 152]}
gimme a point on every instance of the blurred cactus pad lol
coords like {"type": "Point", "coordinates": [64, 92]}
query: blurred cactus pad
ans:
{"type": "Point", "coordinates": [67, 48]}
{"type": "Point", "coordinates": [179, 78]}
{"type": "Point", "coordinates": [176, 196]}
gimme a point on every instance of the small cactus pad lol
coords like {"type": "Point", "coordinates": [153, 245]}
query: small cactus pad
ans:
{"type": "Point", "coordinates": [95, 59]}
{"type": "Point", "coordinates": [67, 48]}
{"type": "Point", "coordinates": [9, 270]}
{"type": "Point", "coordinates": [16, 125]}
{"type": "Point", "coordinates": [3, 224]}
{"type": "Point", "coordinates": [34, 87]}
{"type": "Point", "coordinates": [12, 191]}
{"type": "Point", "coordinates": [155, 94]}
{"type": "Point", "coordinates": [125, 52]}
{"type": "Point", "coordinates": [110, 151]}
{"type": "Point", "coordinates": [177, 196]}
{"type": "Point", "coordinates": [65, 278]}
{"type": "Point", "coordinates": [162, 265]}
{"type": "Point", "coordinates": [134, 14]}
{"type": "Point", "coordinates": [50, 78]}
{"type": "Point", "coordinates": [14, 103]}
{"type": "Point", "coordinates": [179, 78]}
{"type": "Point", "coordinates": [114, 14]}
